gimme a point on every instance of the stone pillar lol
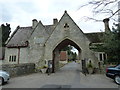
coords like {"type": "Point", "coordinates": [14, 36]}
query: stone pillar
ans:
{"type": "Point", "coordinates": [56, 60]}
{"type": "Point", "coordinates": [34, 23]}
{"type": "Point", "coordinates": [106, 24]}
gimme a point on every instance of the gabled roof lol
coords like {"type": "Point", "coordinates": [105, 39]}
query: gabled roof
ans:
{"type": "Point", "coordinates": [95, 37]}
{"type": "Point", "coordinates": [20, 37]}
{"type": "Point", "coordinates": [66, 14]}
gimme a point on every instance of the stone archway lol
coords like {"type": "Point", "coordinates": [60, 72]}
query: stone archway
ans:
{"type": "Point", "coordinates": [56, 52]}
{"type": "Point", "coordinates": [67, 32]}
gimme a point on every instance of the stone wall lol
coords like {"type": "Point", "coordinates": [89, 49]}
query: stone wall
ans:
{"type": "Point", "coordinates": [19, 69]}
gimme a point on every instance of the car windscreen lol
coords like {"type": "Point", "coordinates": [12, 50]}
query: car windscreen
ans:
{"type": "Point", "coordinates": [118, 66]}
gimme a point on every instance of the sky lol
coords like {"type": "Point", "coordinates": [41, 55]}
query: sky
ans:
{"type": "Point", "coordinates": [22, 12]}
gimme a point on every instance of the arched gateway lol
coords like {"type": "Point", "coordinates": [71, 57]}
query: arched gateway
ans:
{"type": "Point", "coordinates": [67, 32]}
{"type": "Point", "coordinates": [56, 52]}
{"type": "Point", "coordinates": [40, 43]}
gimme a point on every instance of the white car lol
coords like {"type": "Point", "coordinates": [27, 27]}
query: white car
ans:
{"type": "Point", "coordinates": [4, 77]}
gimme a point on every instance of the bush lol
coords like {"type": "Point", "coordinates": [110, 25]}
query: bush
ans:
{"type": "Point", "coordinates": [90, 64]}
{"type": "Point", "coordinates": [44, 67]}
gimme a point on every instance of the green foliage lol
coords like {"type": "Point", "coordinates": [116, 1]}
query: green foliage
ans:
{"type": "Point", "coordinates": [97, 47]}
{"type": "Point", "coordinates": [112, 44]}
{"type": "Point", "coordinates": [4, 33]}
{"type": "Point", "coordinates": [70, 53]}
{"type": "Point", "coordinates": [90, 65]}
{"type": "Point", "coordinates": [74, 56]}
{"type": "Point", "coordinates": [68, 49]}
{"type": "Point", "coordinates": [44, 66]}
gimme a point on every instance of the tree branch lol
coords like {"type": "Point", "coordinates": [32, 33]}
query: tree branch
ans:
{"type": "Point", "coordinates": [101, 6]}
{"type": "Point", "coordinates": [114, 13]}
{"type": "Point", "coordinates": [89, 18]}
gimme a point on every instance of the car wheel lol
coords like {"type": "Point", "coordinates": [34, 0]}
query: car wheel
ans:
{"type": "Point", "coordinates": [1, 81]}
{"type": "Point", "coordinates": [117, 79]}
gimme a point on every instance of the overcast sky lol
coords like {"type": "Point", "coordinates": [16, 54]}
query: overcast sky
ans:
{"type": "Point", "coordinates": [22, 12]}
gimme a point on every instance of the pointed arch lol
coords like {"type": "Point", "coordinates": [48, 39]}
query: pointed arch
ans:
{"type": "Point", "coordinates": [57, 49]}
{"type": "Point", "coordinates": [65, 43]}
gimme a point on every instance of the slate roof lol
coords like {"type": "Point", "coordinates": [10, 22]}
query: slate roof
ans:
{"type": "Point", "coordinates": [49, 28]}
{"type": "Point", "coordinates": [95, 37]}
{"type": "Point", "coordinates": [20, 37]}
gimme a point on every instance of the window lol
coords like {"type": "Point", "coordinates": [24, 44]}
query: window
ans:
{"type": "Point", "coordinates": [100, 57]}
{"type": "Point", "coordinates": [104, 56]}
{"type": "Point", "coordinates": [12, 58]}
{"type": "Point", "coordinates": [118, 66]}
{"type": "Point", "coordinates": [66, 25]}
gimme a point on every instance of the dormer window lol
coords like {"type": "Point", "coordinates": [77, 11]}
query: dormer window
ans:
{"type": "Point", "coordinates": [66, 25]}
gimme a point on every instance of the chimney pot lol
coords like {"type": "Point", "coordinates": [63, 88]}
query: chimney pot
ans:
{"type": "Point", "coordinates": [55, 21]}
{"type": "Point", "coordinates": [34, 23]}
{"type": "Point", "coordinates": [106, 24]}
{"type": "Point", "coordinates": [106, 20]}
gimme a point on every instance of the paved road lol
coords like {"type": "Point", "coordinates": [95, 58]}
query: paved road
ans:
{"type": "Point", "coordinates": [68, 76]}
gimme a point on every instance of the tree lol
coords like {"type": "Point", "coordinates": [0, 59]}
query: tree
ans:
{"type": "Point", "coordinates": [111, 40]}
{"type": "Point", "coordinates": [4, 33]}
{"type": "Point", "coordinates": [72, 55]}
{"type": "Point", "coordinates": [68, 49]}
{"type": "Point", "coordinates": [111, 44]}
{"type": "Point", "coordinates": [108, 7]}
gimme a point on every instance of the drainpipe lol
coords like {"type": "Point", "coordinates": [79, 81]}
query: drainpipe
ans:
{"type": "Point", "coordinates": [18, 54]}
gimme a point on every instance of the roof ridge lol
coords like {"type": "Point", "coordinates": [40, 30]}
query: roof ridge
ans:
{"type": "Point", "coordinates": [93, 32]}
{"type": "Point", "coordinates": [25, 27]}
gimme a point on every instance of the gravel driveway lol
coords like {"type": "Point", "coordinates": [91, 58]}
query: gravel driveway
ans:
{"type": "Point", "coordinates": [68, 76]}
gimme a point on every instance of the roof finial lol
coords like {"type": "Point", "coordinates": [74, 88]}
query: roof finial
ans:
{"type": "Point", "coordinates": [65, 11]}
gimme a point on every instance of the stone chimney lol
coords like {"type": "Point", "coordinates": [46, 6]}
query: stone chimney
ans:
{"type": "Point", "coordinates": [55, 21]}
{"type": "Point", "coordinates": [34, 23]}
{"type": "Point", "coordinates": [106, 24]}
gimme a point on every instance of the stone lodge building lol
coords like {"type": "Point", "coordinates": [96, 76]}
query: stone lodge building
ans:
{"type": "Point", "coordinates": [39, 43]}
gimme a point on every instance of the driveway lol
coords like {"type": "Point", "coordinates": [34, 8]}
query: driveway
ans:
{"type": "Point", "coordinates": [69, 76]}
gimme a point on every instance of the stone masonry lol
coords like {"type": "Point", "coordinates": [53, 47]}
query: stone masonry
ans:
{"type": "Point", "coordinates": [39, 43]}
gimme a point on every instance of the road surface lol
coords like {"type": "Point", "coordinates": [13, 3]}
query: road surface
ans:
{"type": "Point", "coordinates": [69, 76]}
